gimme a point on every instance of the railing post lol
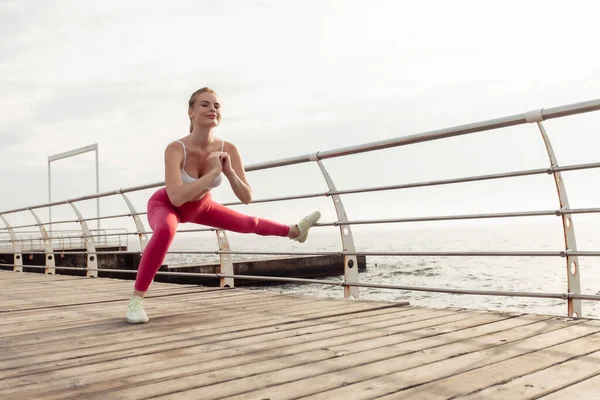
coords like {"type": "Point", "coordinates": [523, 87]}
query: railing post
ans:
{"type": "Point", "coordinates": [226, 264]}
{"type": "Point", "coordinates": [350, 262]}
{"type": "Point", "coordinates": [49, 250]}
{"type": "Point", "coordinates": [573, 277]}
{"type": "Point", "coordinates": [91, 255]}
{"type": "Point", "coordinates": [138, 223]}
{"type": "Point", "coordinates": [16, 245]}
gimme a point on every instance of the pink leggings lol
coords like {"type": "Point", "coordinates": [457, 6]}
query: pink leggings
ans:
{"type": "Point", "coordinates": [164, 218]}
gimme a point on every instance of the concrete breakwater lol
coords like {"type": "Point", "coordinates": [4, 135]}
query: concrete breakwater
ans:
{"type": "Point", "coordinates": [123, 265]}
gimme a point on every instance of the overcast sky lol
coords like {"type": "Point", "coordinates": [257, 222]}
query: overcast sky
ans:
{"type": "Point", "coordinates": [295, 77]}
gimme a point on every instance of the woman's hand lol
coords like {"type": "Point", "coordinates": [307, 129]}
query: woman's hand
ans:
{"type": "Point", "coordinates": [215, 162]}
{"type": "Point", "coordinates": [227, 168]}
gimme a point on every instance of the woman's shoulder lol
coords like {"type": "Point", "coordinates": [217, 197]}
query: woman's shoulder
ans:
{"type": "Point", "coordinates": [177, 143]}
{"type": "Point", "coordinates": [228, 146]}
{"type": "Point", "coordinates": [175, 147]}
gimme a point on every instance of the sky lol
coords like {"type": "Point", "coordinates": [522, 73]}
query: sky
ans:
{"type": "Point", "coordinates": [296, 77]}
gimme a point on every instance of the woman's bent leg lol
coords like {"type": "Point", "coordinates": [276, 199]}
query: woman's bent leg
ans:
{"type": "Point", "coordinates": [163, 220]}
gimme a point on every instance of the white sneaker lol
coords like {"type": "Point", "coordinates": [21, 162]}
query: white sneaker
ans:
{"type": "Point", "coordinates": [135, 311]}
{"type": "Point", "coordinates": [305, 224]}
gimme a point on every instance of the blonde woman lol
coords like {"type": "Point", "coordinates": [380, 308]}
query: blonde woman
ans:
{"type": "Point", "coordinates": [194, 165]}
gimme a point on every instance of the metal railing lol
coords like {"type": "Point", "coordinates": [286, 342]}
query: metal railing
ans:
{"type": "Point", "coordinates": [33, 242]}
{"type": "Point", "coordinates": [350, 281]}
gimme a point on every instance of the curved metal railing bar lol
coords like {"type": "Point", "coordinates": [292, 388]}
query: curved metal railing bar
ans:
{"type": "Point", "coordinates": [49, 253]}
{"type": "Point", "coordinates": [16, 246]}
{"type": "Point", "coordinates": [92, 259]}
{"type": "Point", "coordinates": [350, 261]}
{"type": "Point", "coordinates": [573, 278]}
{"type": "Point", "coordinates": [225, 258]}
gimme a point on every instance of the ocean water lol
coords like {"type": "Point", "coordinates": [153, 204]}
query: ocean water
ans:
{"type": "Point", "coordinates": [506, 273]}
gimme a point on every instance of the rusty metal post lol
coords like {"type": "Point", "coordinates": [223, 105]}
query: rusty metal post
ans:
{"type": "Point", "coordinates": [138, 223]}
{"type": "Point", "coordinates": [573, 277]}
{"type": "Point", "coordinates": [350, 261]}
{"type": "Point", "coordinates": [16, 245]}
{"type": "Point", "coordinates": [49, 250]}
{"type": "Point", "coordinates": [92, 256]}
{"type": "Point", "coordinates": [226, 264]}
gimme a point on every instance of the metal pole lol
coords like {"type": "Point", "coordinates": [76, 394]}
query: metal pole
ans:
{"type": "Point", "coordinates": [350, 261]}
{"type": "Point", "coordinates": [49, 197]}
{"type": "Point", "coordinates": [97, 190]}
{"type": "Point", "coordinates": [71, 153]}
{"type": "Point", "coordinates": [573, 275]}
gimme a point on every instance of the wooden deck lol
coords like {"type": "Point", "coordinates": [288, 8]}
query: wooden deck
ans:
{"type": "Point", "coordinates": [64, 337]}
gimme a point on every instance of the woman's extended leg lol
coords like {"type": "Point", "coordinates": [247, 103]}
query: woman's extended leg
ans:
{"type": "Point", "coordinates": [210, 213]}
{"type": "Point", "coordinates": [218, 216]}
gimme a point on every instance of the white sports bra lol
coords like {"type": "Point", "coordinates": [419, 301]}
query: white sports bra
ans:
{"type": "Point", "coordinates": [185, 178]}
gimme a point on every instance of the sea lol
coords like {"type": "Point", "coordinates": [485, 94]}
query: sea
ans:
{"type": "Point", "coordinates": [546, 274]}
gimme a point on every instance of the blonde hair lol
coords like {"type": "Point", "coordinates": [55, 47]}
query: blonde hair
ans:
{"type": "Point", "coordinates": [193, 99]}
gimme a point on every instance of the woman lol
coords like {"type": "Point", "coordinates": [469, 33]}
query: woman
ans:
{"type": "Point", "coordinates": [193, 166]}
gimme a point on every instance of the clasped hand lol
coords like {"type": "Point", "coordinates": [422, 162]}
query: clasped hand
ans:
{"type": "Point", "coordinates": [220, 162]}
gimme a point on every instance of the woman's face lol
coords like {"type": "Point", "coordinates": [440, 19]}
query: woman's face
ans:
{"type": "Point", "coordinates": [206, 110]}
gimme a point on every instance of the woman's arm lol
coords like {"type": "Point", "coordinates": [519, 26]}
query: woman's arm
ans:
{"type": "Point", "coordinates": [234, 171]}
{"type": "Point", "coordinates": [178, 192]}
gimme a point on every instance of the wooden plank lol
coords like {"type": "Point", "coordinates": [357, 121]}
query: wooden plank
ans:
{"type": "Point", "coordinates": [192, 296]}
{"type": "Point", "coordinates": [202, 298]}
{"type": "Point", "coordinates": [85, 324]}
{"type": "Point", "coordinates": [229, 355]}
{"type": "Point", "coordinates": [222, 358]}
{"type": "Point", "coordinates": [546, 381]}
{"type": "Point", "coordinates": [224, 304]}
{"type": "Point", "coordinates": [90, 340]}
{"type": "Point", "coordinates": [229, 315]}
{"type": "Point", "coordinates": [92, 300]}
{"type": "Point", "coordinates": [310, 319]}
{"type": "Point", "coordinates": [23, 282]}
{"type": "Point", "coordinates": [442, 336]}
{"type": "Point", "coordinates": [587, 389]}
{"type": "Point", "coordinates": [17, 277]}
{"type": "Point", "coordinates": [99, 311]}
{"type": "Point", "coordinates": [267, 372]}
{"type": "Point", "coordinates": [50, 299]}
{"type": "Point", "coordinates": [206, 341]}
{"type": "Point", "coordinates": [229, 297]}
{"type": "Point", "coordinates": [125, 288]}
{"type": "Point", "coordinates": [359, 377]}
{"type": "Point", "coordinates": [504, 364]}
{"type": "Point", "coordinates": [209, 335]}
